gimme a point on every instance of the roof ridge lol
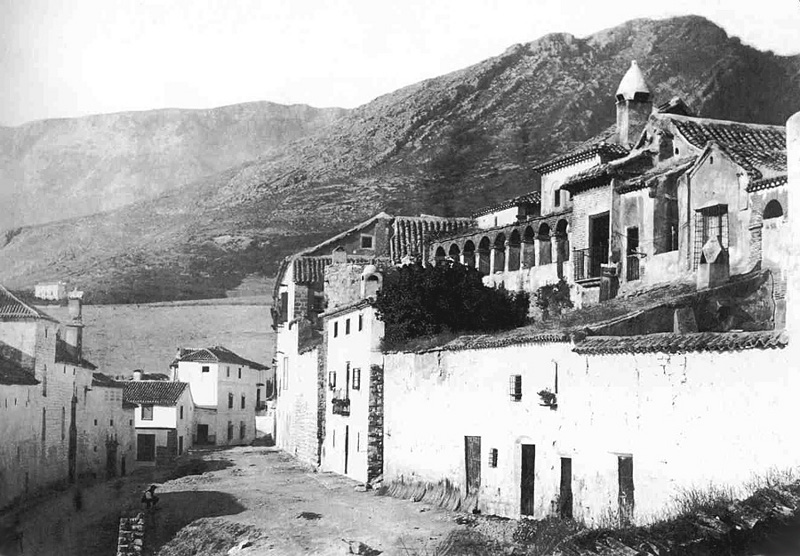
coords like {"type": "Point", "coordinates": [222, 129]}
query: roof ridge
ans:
{"type": "Point", "coordinates": [699, 119]}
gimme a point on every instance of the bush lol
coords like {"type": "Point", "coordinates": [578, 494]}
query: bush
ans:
{"type": "Point", "coordinates": [418, 301]}
{"type": "Point", "coordinates": [551, 299]}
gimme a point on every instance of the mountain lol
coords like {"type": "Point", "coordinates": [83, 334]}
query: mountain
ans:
{"type": "Point", "coordinates": [448, 145]}
{"type": "Point", "coordinates": [55, 169]}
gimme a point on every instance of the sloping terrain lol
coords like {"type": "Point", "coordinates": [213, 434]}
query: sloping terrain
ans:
{"type": "Point", "coordinates": [55, 169]}
{"type": "Point", "coordinates": [446, 146]}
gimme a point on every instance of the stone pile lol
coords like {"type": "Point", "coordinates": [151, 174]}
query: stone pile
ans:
{"type": "Point", "coordinates": [131, 536]}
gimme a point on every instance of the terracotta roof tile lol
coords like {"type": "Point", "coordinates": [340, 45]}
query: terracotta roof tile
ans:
{"type": "Point", "coordinates": [669, 342]}
{"type": "Point", "coordinates": [11, 308]}
{"type": "Point", "coordinates": [153, 392]}
{"type": "Point", "coordinates": [105, 381]}
{"type": "Point", "coordinates": [219, 354]}
{"type": "Point", "coordinates": [530, 198]}
{"type": "Point", "coordinates": [411, 234]}
{"type": "Point", "coordinates": [607, 151]}
{"type": "Point", "coordinates": [768, 183]}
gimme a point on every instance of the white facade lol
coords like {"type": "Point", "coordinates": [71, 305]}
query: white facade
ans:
{"type": "Point", "coordinates": [685, 420]}
{"type": "Point", "coordinates": [51, 291]}
{"type": "Point", "coordinates": [353, 347]}
{"type": "Point", "coordinates": [553, 180]}
{"type": "Point", "coordinates": [499, 218]}
{"type": "Point", "coordinates": [159, 426]}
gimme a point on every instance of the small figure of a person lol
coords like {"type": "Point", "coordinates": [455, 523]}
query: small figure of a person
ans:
{"type": "Point", "coordinates": [149, 497]}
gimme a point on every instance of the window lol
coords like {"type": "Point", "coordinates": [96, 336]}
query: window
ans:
{"type": "Point", "coordinates": [335, 329]}
{"type": "Point", "coordinates": [332, 379]}
{"type": "Point", "coordinates": [227, 372]}
{"type": "Point", "coordinates": [230, 401]}
{"type": "Point", "coordinates": [95, 422]}
{"type": "Point", "coordinates": [367, 241]}
{"type": "Point", "coordinates": [626, 497]}
{"type": "Point", "coordinates": [181, 412]}
{"type": "Point", "coordinates": [44, 381]}
{"type": "Point", "coordinates": [147, 413]}
{"type": "Point", "coordinates": [111, 422]}
{"type": "Point", "coordinates": [710, 222]}
{"type": "Point", "coordinates": [347, 326]}
{"type": "Point", "coordinates": [360, 323]}
{"type": "Point", "coordinates": [515, 387]}
{"type": "Point", "coordinates": [565, 490]}
{"type": "Point", "coordinates": [493, 457]}
{"type": "Point", "coordinates": [64, 422]}
{"type": "Point", "coordinates": [557, 198]}
{"type": "Point", "coordinates": [44, 424]}
{"type": "Point", "coordinates": [356, 379]}
{"type": "Point", "coordinates": [230, 431]}
{"type": "Point", "coordinates": [241, 430]}
{"type": "Point", "coordinates": [240, 372]}
{"type": "Point", "coordinates": [206, 368]}
{"type": "Point", "coordinates": [243, 402]}
{"type": "Point", "coordinates": [284, 315]}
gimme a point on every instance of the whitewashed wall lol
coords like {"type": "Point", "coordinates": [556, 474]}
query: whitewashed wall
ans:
{"type": "Point", "coordinates": [687, 420]}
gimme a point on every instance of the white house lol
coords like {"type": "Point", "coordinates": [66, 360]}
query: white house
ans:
{"type": "Point", "coordinates": [53, 291]}
{"type": "Point", "coordinates": [163, 419]}
{"type": "Point", "coordinates": [227, 389]}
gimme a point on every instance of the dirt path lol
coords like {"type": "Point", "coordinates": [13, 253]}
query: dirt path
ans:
{"type": "Point", "coordinates": [253, 493]}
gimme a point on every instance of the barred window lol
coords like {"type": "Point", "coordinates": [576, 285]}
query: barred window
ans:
{"type": "Point", "coordinates": [710, 222]}
{"type": "Point", "coordinates": [515, 387]}
{"type": "Point", "coordinates": [356, 379]}
{"type": "Point", "coordinates": [493, 457]}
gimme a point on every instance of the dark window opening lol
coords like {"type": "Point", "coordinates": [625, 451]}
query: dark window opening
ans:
{"type": "Point", "coordinates": [515, 387]}
{"type": "Point", "coordinates": [366, 242]}
{"type": "Point", "coordinates": [230, 401]}
{"type": "Point", "coordinates": [360, 323]}
{"type": "Point", "coordinates": [335, 329]}
{"type": "Point", "coordinates": [493, 457]}
{"type": "Point", "coordinates": [347, 326]}
{"type": "Point", "coordinates": [710, 222]}
{"type": "Point", "coordinates": [626, 499]}
{"type": "Point", "coordinates": [565, 492]}
{"type": "Point", "coordinates": [147, 413]}
{"type": "Point", "coordinates": [205, 369]}
{"type": "Point", "coordinates": [773, 210]}
{"type": "Point", "coordinates": [356, 379]}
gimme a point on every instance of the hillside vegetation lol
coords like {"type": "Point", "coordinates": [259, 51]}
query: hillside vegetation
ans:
{"type": "Point", "coordinates": [446, 146]}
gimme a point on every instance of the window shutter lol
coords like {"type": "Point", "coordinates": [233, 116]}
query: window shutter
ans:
{"type": "Point", "coordinates": [515, 387]}
{"type": "Point", "coordinates": [493, 457]}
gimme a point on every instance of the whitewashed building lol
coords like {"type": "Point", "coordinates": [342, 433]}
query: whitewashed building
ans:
{"type": "Point", "coordinates": [51, 291]}
{"type": "Point", "coordinates": [227, 390]}
{"type": "Point", "coordinates": [163, 419]}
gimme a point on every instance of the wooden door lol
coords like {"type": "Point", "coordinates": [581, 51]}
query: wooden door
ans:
{"type": "Point", "coordinates": [111, 458]}
{"type": "Point", "coordinates": [565, 492]}
{"type": "Point", "coordinates": [625, 474]}
{"type": "Point", "coordinates": [146, 447]}
{"type": "Point", "coordinates": [472, 447]}
{"type": "Point", "coordinates": [346, 441]}
{"type": "Point", "coordinates": [202, 434]}
{"type": "Point", "coordinates": [527, 503]}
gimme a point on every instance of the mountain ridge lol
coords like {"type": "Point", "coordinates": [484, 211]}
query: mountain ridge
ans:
{"type": "Point", "coordinates": [446, 145]}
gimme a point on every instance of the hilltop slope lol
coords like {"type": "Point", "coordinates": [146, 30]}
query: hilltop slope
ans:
{"type": "Point", "coordinates": [447, 145]}
{"type": "Point", "coordinates": [55, 169]}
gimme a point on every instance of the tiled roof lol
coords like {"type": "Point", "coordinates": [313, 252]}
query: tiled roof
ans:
{"type": "Point", "coordinates": [531, 198]}
{"type": "Point", "coordinates": [651, 176]}
{"type": "Point", "coordinates": [670, 342]}
{"type": "Point", "coordinates": [308, 270]}
{"type": "Point", "coordinates": [602, 173]}
{"type": "Point", "coordinates": [12, 373]}
{"type": "Point", "coordinates": [219, 354]}
{"type": "Point", "coordinates": [105, 381]}
{"type": "Point", "coordinates": [153, 392]}
{"type": "Point", "coordinates": [411, 234]}
{"type": "Point", "coordinates": [11, 308]}
{"type": "Point", "coordinates": [607, 151]}
{"type": "Point", "coordinates": [755, 147]}
{"type": "Point", "coordinates": [768, 183]}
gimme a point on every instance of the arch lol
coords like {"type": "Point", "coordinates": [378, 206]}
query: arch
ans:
{"type": "Point", "coordinates": [469, 254]}
{"type": "Point", "coordinates": [483, 255]}
{"type": "Point", "coordinates": [562, 240]}
{"type": "Point", "coordinates": [773, 210]}
{"type": "Point", "coordinates": [545, 251]}
{"type": "Point", "coordinates": [529, 249]}
{"type": "Point", "coordinates": [514, 251]}
{"type": "Point", "coordinates": [454, 252]}
{"type": "Point", "coordinates": [440, 255]}
{"type": "Point", "coordinates": [499, 253]}
{"type": "Point", "coordinates": [372, 285]}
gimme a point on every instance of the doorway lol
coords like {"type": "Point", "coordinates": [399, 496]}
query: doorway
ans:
{"type": "Point", "coordinates": [565, 492]}
{"type": "Point", "coordinates": [626, 499]}
{"type": "Point", "coordinates": [599, 234]}
{"type": "Point", "coordinates": [146, 447]}
{"type": "Point", "coordinates": [202, 434]}
{"type": "Point", "coordinates": [632, 259]}
{"type": "Point", "coordinates": [346, 440]}
{"type": "Point", "coordinates": [472, 453]}
{"type": "Point", "coordinates": [527, 502]}
{"type": "Point", "coordinates": [111, 458]}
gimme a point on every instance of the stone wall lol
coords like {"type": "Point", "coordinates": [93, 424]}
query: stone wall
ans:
{"type": "Point", "coordinates": [130, 540]}
{"type": "Point", "coordinates": [342, 284]}
{"type": "Point", "coordinates": [375, 427]}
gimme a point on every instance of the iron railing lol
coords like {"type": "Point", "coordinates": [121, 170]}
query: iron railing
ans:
{"type": "Point", "coordinates": [341, 406]}
{"type": "Point", "coordinates": [587, 262]}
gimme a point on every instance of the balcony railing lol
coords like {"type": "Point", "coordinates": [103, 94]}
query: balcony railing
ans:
{"type": "Point", "coordinates": [632, 268]}
{"type": "Point", "coordinates": [587, 262]}
{"type": "Point", "coordinates": [341, 406]}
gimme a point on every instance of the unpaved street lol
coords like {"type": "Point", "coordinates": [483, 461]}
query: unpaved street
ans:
{"type": "Point", "coordinates": [249, 493]}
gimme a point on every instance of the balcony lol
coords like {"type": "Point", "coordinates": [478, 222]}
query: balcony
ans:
{"type": "Point", "coordinates": [341, 406]}
{"type": "Point", "coordinates": [587, 262]}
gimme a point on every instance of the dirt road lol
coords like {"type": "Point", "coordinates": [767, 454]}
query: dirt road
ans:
{"type": "Point", "coordinates": [250, 494]}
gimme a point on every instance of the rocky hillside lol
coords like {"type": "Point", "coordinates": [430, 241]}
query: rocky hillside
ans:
{"type": "Point", "coordinates": [55, 169]}
{"type": "Point", "coordinates": [448, 145]}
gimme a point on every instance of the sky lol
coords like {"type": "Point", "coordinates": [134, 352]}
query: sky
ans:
{"type": "Point", "coordinates": [67, 58]}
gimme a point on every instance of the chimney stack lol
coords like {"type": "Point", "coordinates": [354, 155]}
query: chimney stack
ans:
{"type": "Point", "coordinates": [137, 375]}
{"type": "Point", "coordinates": [634, 105]}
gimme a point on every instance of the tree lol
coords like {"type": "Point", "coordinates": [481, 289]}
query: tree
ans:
{"type": "Point", "coordinates": [420, 301]}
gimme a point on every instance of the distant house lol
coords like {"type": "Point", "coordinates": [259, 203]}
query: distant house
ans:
{"type": "Point", "coordinates": [227, 388]}
{"type": "Point", "coordinates": [163, 419]}
{"type": "Point", "coordinates": [108, 437]}
{"type": "Point", "coordinates": [54, 291]}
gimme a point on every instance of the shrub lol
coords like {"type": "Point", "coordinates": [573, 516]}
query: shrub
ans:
{"type": "Point", "coordinates": [420, 301]}
{"type": "Point", "coordinates": [551, 299]}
